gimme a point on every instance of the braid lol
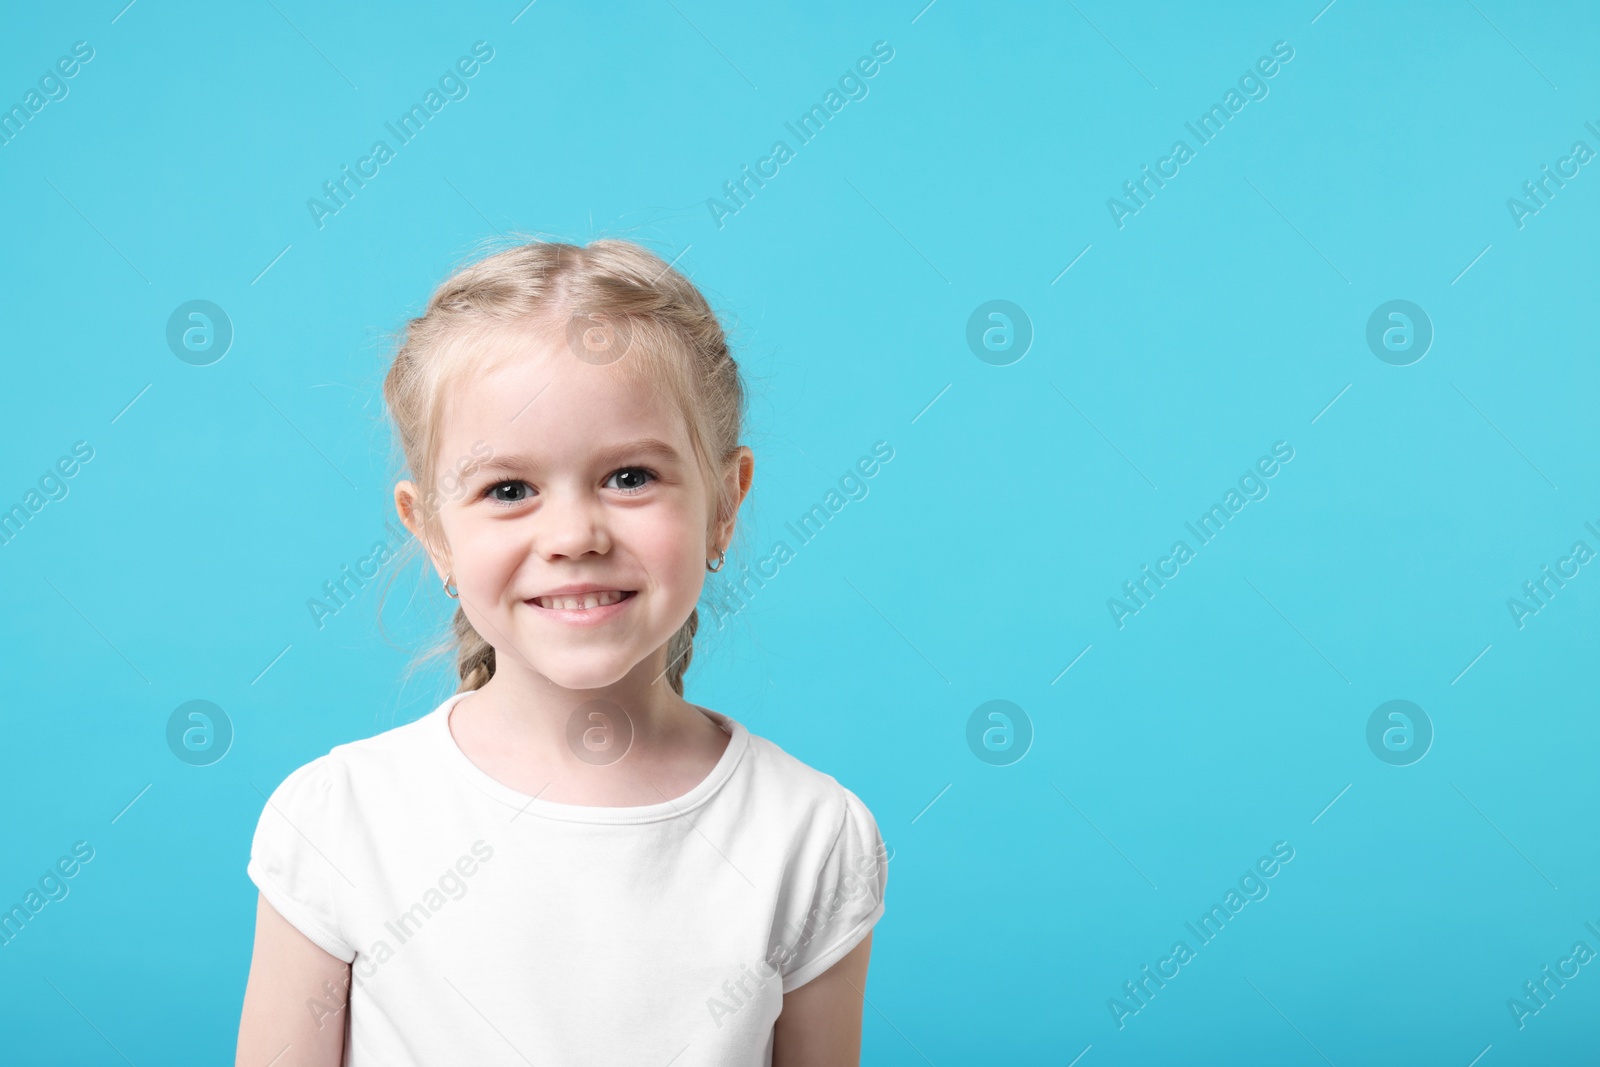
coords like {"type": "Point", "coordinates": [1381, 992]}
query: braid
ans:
{"type": "Point", "coordinates": [680, 650]}
{"type": "Point", "coordinates": [474, 656]}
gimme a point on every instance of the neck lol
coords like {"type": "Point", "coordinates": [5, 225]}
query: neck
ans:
{"type": "Point", "coordinates": [538, 712]}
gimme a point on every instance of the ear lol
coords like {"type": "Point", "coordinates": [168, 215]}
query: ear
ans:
{"type": "Point", "coordinates": [409, 505]}
{"type": "Point", "coordinates": [738, 474]}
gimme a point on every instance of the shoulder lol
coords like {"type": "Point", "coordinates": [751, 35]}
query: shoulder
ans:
{"type": "Point", "coordinates": [835, 876]}
{"type": "Point", "coordinates": [363, 766]}
{"type": "Point", "coordinates": [815, 799]}
{"type": "Point", "coordinates": [397, 749]}
{"type": "Point", "coordinates": [301, 857]}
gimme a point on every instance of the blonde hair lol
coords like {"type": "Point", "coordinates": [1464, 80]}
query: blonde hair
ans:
{"type": "Point", "coordinates": [663, 329]}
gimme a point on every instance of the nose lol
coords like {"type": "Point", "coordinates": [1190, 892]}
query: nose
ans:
{"type": "Point", "coordinates": [570, 524]}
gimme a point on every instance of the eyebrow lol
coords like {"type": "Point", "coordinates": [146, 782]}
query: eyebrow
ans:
{"type": "Point", "coordinates": [644, 447]}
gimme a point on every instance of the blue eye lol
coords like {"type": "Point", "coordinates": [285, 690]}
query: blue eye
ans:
{"type": "Point", "coordinates": [632, 480]}
{"type": "Point", "coordinates": [636, 475]}
{"type": "Point", "coordinates": [493, 492]}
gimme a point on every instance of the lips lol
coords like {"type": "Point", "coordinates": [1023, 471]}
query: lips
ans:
{"type": "Point", "coordinates": [586, 601]}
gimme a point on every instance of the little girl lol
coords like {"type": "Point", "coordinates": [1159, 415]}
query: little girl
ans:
{"type": "Point", "coordinates": [565, 862]}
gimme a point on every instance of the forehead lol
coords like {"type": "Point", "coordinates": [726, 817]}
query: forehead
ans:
{"type": "Point", "coordinates": [528, 393]}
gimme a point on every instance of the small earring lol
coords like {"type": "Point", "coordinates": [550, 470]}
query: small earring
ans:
{"type": "Point", "coordinates": [447, 591]}
{"type": "Point", "coordinates": [721, 555]}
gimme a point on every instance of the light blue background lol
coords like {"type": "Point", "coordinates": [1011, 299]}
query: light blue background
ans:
{"type": "Point", "coordinates": [1226, 315]}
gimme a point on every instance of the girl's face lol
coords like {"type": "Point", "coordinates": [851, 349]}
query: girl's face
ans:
{"type": "Point", "coordinates": [590, 492]}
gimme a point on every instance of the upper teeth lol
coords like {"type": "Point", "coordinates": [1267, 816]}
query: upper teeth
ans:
{"type": "Point", "coordinates": [587, 600]}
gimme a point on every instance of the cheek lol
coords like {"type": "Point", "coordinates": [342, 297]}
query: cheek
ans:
{"type": "Point", "coordinates": [485, 555]}
{"type": "Point", "coordinates": [669, 546]}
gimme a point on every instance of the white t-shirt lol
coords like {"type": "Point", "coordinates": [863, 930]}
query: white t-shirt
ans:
{"type": "Point", "coordinates": [488, 927]}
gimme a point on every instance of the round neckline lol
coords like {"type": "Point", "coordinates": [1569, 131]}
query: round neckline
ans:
{"type": "Point", "coordinates": [738, 742]}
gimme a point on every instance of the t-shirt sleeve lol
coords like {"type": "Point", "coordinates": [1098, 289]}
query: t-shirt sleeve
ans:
{"type": "Point", "coordinates": [847, 900]}
{"type": "Point", "coordinates": [294, 854]}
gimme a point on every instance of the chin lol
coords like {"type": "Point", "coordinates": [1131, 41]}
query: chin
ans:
{"type": "Point", "coordinates": [578, 672]}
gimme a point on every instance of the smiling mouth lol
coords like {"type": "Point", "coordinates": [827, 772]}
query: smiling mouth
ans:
{"type": "Point", "coordinates": [584, 601]}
